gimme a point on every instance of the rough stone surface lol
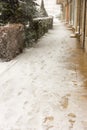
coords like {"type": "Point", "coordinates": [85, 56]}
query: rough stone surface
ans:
{"type": "Point", "coordinates": [11, 40]}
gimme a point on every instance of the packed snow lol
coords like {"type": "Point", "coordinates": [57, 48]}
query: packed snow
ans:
{"type": "Point", "coordinates": [41, 88]}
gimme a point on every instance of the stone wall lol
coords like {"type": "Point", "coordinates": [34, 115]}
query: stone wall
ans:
{"type": "Point", "coordinates": [42, 25]}
{"type": "Point", "coordinates": [11, 41]}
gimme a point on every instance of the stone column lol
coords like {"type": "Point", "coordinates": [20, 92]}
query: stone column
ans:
{"type": "Point", "coordinates": [76, 16]}
{"type": "Point", "coordinates": [86, 18]}
{"type": "Point", "coordinates": [67, 13]}
{"type": "Point", "coordinates": [64, 12]}
{"type": "Point", "coordinates": [70, 12]}
{"type": "Point", "coordinates": [81, 17]}
{"type": "Point", "coordinates": [84, 24]}
{"type": "Point", "coordinates": [86, 29]}
{"type": "Point", "coordinates": [73, 10]}
{"type": "Point", "coordinates": [74, 13]}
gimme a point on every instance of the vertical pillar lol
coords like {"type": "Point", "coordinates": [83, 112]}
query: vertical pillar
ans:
{"type": "Point", "coordinates": [86, 29]}
{"type": "Point", "coordinates": [86, 18]}
{"type": "Point", "coordinates": [67, 13]}
{"type": "Point", "coordinates": [71, 11]}
{"type": "Point", "coordinates": [84, 22]}
{"type": "Point", "coordinates": [64, 11]}
{"type": "Point", "coordinates": [77, 15]}
{"type": "Point", "coordinates": [81, 16]}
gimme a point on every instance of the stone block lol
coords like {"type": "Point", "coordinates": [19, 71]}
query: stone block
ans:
{"type": "Point", "coordinates": [11, 41]}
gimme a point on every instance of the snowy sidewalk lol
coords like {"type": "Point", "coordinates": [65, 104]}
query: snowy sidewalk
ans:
{"type": "Point", "coordinates": [45, 88]}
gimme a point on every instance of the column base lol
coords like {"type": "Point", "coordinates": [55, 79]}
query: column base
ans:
{"type": "Point", "coordinates": [75, 35]}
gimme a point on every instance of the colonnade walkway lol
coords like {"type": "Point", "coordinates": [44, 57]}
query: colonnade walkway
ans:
{"type": "Point", "coordinates": [45, 88]}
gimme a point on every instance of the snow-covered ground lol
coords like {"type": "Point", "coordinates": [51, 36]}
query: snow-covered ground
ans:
{"type": "Point", "coordinates": [44, 88]}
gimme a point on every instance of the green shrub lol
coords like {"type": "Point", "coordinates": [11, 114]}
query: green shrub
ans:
{"type": "Point", "coordinates": [14, 11]}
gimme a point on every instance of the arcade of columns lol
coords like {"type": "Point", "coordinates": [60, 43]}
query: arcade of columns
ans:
{"type": "Point", "coordinates": [75, 14]}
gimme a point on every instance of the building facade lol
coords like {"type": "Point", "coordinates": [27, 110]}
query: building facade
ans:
{"type": "Point", "coordinates": [75, 14]}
